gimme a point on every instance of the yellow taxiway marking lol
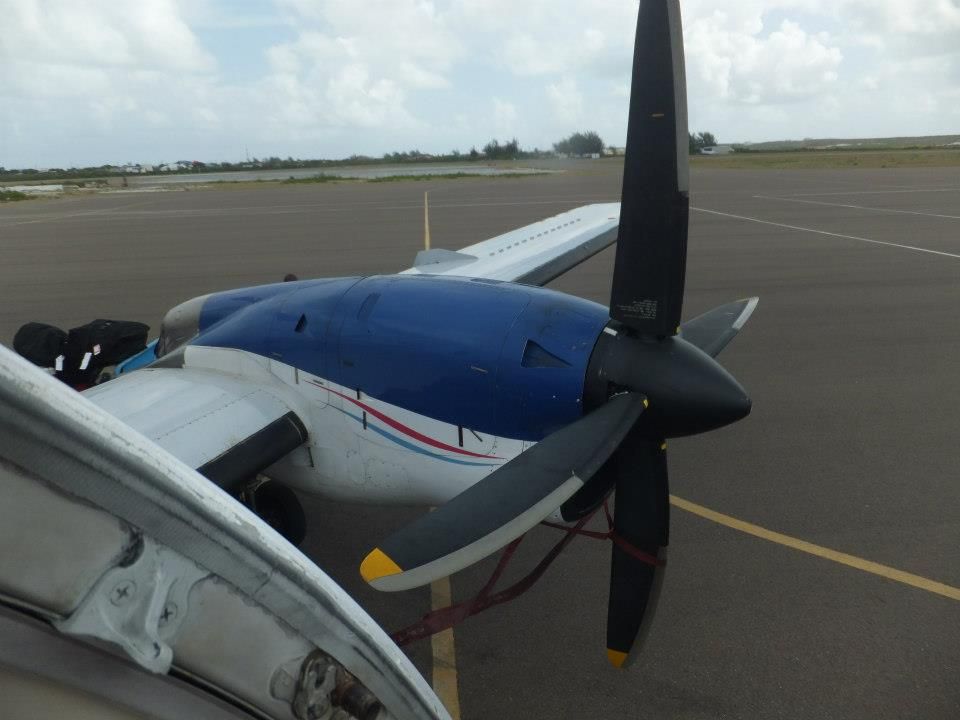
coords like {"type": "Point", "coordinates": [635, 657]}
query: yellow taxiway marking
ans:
{"type": "Point", "coordinates": [426, 220]}
{"type": "Point", "coordinates": [444, 654]}
{"type": "Point", "coordinates": [869, 566]}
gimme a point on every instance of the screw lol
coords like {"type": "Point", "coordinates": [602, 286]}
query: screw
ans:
{"type": "Point", "coordinates": [123, 592]}
{"type": "Point", "coordinates": [169, 614]}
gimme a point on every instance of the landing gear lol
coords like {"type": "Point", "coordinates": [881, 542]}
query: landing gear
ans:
{"type": "Point", "coordinates": [277, 505]}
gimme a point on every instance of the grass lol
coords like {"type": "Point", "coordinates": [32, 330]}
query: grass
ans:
{"type": "Point", "coordinates": [12, 196]}
{"type": "Point", "coordinates": [320, 178]}
{"type": "Point", "coordinates": [452, 176]}
{"type": "Point", "coordinates": [325, 178]}
{"type": "Point", "coordinates": [827, 159]}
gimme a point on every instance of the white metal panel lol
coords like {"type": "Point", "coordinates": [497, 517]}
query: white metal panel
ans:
{"type": "Point", "coordinates": [53, 548]}
{"type": "Point", "coordinates": [195, 415]}
{"type": "Point", "coordinates": [243, 637]}
{"type": "Point", "coordinates": [519, 252]}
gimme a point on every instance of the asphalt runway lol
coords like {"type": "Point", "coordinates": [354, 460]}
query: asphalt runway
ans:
{"type": "Point", "coordinates": [852, 360]}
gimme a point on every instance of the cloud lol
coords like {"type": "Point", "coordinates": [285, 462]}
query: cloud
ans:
{"type": "Point", "coordinates": [96, 68]}
{"type": "Point", "coordinates": [567, 100]}
{"type": "Point", "coordinates": [731, 63]}
{"type": "Point", "coordinates": [504, 117]}
{"type": "Point", "coordinates": [101, 33]}
{"type": "Point", "coordinates": [353, 66]}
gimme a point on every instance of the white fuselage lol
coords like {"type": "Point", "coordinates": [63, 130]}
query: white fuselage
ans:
{"type": "Point", "coordinates": [361, 449]}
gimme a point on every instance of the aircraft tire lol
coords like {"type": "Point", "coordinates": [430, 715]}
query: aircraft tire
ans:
{"type": "Point", "coordinates": [278, 506]}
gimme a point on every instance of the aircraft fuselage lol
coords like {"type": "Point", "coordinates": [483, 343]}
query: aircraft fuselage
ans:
{"type": "Point", "coordinates": [412, 387]}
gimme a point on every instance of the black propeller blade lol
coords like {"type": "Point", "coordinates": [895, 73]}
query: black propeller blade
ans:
{"type": "Point", "coordinates": [648, 277]}
{"type": "Point", "coordinates": [641, 525]}
{"type": "Point", "coordinates": [714, 329]}
{"type": "Point", "coordinates": [505, 504]}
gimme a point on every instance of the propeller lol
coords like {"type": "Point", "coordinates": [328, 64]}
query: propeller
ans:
{"type": "Point", "coordinates": [505, 504]}
{"type": "Point", "coordinates": [648, 379]}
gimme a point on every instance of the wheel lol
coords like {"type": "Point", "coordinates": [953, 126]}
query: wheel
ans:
{"type": "Point", "coordinates": [277, 505]}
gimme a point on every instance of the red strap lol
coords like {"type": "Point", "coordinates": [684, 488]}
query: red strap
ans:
{"type": "Point", "coordinates": [445, 618]}
{"type": "Point", "coordinates": [612, 535]}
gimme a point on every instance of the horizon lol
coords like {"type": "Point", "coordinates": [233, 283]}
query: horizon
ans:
{"type": "Point", "coordinates": [253, 162]}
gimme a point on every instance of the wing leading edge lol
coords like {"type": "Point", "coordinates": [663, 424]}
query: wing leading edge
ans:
{"type": "Point", "coordinates": [534, 254]}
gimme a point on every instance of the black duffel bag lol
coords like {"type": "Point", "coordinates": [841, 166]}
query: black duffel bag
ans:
{"type": "Point", "coordinates": [99, 344]}
{"type": "Point", "coordinates": [40, 344]}
{"type": "Point", "coordinates": [109, 341]}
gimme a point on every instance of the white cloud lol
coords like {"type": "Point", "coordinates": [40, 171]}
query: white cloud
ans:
{"type": "Point", "coordinates": [100, 68]}
{"type": "Point", "coordinates": [730, 63]}
{"type": "Point", "coordinates": [567, 100]}
{"type": "Point", "coordinates": [504, 117]}
{"type": "Point", "coordinates": [354, 65]}
{"type": "Point", "coordinates": [539, 37]}
{"type": "Point", "coordinates": [101, 33]}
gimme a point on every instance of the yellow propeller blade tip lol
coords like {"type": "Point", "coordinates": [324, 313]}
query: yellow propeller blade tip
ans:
{"type": "Point", "coordinates": [377, 565]}
{"type": "Point", "coordinates": [616, 658]}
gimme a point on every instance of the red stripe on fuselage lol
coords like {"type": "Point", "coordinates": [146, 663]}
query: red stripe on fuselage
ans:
{"type": "Point", "coordinates": [407, 430]}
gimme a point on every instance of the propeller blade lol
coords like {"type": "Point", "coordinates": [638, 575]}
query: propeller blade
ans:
{"type": "Point", "coordinates": [712, 331]}
{"type": "Point", "coordinates": [505, 504]}
{"type": "Point", "coordinates": [641, 520]}
{"type": "Point", "coordinates": [650, 267]}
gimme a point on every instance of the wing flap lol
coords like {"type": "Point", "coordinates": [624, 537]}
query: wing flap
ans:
{"type": "Point", "coordinates": [228, 428]}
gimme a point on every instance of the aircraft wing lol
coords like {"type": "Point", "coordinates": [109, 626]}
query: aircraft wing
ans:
{"type": "Point", "coordinates": [225, 426]}
{"type": "Point", "coordinates": [534, 254]}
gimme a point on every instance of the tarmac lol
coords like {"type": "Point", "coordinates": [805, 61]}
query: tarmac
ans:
{"type": "Point", "coordinates": [852, 360]}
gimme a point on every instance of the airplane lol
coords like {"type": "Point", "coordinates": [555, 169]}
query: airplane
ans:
{"type": "Point", "coordinates": [463, 383]}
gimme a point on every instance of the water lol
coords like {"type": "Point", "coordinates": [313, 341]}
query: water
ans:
{"type": "Point", "coordinates": [362, 172]}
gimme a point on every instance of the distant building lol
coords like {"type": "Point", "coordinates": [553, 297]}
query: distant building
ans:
{"type": "Point", "coordinates": [176, 166]}
{"type": "Point", "coordinates": [35, 189]}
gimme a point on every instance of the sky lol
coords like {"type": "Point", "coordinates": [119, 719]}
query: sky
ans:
{"type": "Point", "coordinates": [101, 81]}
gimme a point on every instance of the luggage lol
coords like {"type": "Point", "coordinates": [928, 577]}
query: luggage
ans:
{"type": "Point", "coordinates": [86, 350]}
{"type": "Point", "coordinates": [40, 344]}
{"type": "Point", "coordinates": [98, 344]}
{"type": "Point", "coordinates": [109, 341]}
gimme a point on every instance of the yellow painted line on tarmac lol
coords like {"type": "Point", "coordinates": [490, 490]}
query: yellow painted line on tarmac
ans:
{"type": "Point", "coordinates": [444, 654]}
{"type": "Point", "coordinates": [869, 566]}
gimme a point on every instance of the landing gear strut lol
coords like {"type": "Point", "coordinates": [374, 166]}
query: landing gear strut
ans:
{"type": "Point", "coordinates": [277, 505]}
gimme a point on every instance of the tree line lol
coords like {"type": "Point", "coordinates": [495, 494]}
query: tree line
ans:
{"type": "Point", "coordinates": [578, 144]}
